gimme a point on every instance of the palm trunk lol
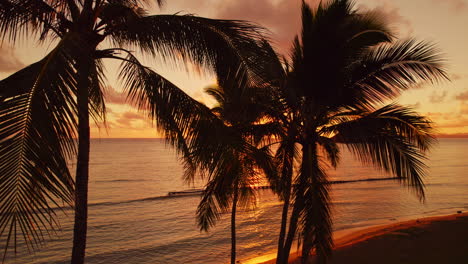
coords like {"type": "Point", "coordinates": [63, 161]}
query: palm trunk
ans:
{"type": "Point", "coordinates": [309, 167]}
{"type": "Point", "coordinates": [82, 167]}
{"type": "Point", "coordinates": [233, 225]}
{"type": "Point", "coordinates": [284, 220]}
{"type": "Point", "coordinates": [291, 234]}
{"type": "Point", "coordinates": [317, 223]}
{"type": "Point", "coordinates": [298, 205]}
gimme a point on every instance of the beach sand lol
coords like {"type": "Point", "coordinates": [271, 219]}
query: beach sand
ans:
{"type": "Point", "coordinates": [441, 240]}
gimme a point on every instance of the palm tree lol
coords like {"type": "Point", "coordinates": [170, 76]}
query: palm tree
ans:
{"type": "Point", "coordinates": [344, 66]}
{"type": "Point", "coordinates": [237, 165]}
{"type": "Point", "coordinates": [47, 105]}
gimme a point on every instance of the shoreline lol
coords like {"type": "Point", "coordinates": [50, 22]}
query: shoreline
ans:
{"type": "Point", "coordinates": [434, 239]}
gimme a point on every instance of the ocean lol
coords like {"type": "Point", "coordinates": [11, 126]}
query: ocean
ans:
{"type": "Point", "coordinates": [133, 220]}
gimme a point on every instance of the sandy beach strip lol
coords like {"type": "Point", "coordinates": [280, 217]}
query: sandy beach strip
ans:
{"type": "Point", "coordinates": [440, 239]}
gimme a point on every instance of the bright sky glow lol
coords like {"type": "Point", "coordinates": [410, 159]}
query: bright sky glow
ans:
{"type": "Point", "coordinates": [442, 22]}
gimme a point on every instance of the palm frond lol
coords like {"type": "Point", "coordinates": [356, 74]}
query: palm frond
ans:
{"type": "Point", "coordinates": [161, 2]}
{"type": "Point", "coordinates": [209, 209]}
{"type": "Point", "coordinates": [38, 124]}
{"type": "Point", "coordinates": [363, 31]}
{"type": "Point", "coordinates": [72, 7]}
{"type": "Point", "coordinates": [392, 138]}
{"type": "Point", "coordinates": [228, 176]}
{"type": "Point", "coordinates": [271, 66]}
{"type": "Point", "coordinates": [97, 103]}
{"type": "Point", "coordinates": [138, 2]}
{"type": "Point", "coordinates": [230, 48]}
{"type": "Point", "coordinates": [264, 134]}
{"type": "Point", "coordinates": [331, 150]}
{"type": "Point", "coordinates": [119, 12]}
{"type": "Point", "coordinates": [391, 68]}
{"type": "Point", "coordinates": [219, 189]}
{"type": "Point", "coordinates": [176, 115]}
{"type": "Point", "coordinates": [262, 159]}
{"type": "Point", "coordinates": [218, 95]}
{"type": "Point", "coordinates": [27, 17]}
{"type": "Point", "coordinates": [231, 171]}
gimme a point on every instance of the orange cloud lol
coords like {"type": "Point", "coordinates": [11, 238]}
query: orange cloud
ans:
{"type": "Point", "coordinates": [415, 105]}
{"type": "Point", "coordinates": [127, 119]}
{"type": "Point", "coordinates": [453, 123]}
{"type": "Point", "coordinates": [455, 5]}
{"type": "Point", "coordinates": [455, 77]}
{"type": "Point", "coordinates": [129, 124]}
{"type": "Point", "coordinates": [112, 96]}
{"type": "Point", "coordinates": [9, 61]}
{"type": "Point", "coordinates": [437, 98]}
{"type": "Point", "coordinates": [281, 17]}
{"type": "Point", "coordinates": [450, 123]}
{"type": "Point", "coordinates": [455, 135]}
{"type": "Point", "coordinates": [462, 96]}
{"type": "Point", "coordinates": [464, 108]}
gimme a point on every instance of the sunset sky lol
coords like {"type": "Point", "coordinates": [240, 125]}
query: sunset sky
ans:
{"type": "Point", "coordinates": [443, 22]}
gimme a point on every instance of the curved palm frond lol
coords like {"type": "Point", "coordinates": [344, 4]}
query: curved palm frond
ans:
{"type": "Point", "coordinates": [330, 149]}
{"type": "Point", "coordinates": [176, 115]}
{"type": "Point", "coordinates": [119, 12]}
{"type": "Point", "coordinates": [233, 171]}
{"type": "Point", "coordinates": [138, 2]}
{"type": "Point", "coordinates": [264, 134]}
{"type": "Point", "coordinates": [28, 17]}
{"type": "Point", "coordinates": [385, 71]}
{"type": "Point", "coordinates": [215, 200]}
{"type": "Point", "coordinates": [224, 177]}
{"type": "Point", "coordinates": [365, 30]}
{"type": "Point", "coordinates": [209, 209]}
{"type": "Point", "coordinates": [392, 138]}
{"type": "Point", "coordinates": [96, 95]}
{"type": "Point", "coordinates": [218, 194]}
{"type": "Point", "coordinates": [218, 95]}
{"type": "Point", "coordinates": [271, 67]}
{"type": "Point", "coordinates": [72, 7]}
{"type": "Point", "coordinates": [38, 124]}
{"type": "Point", "coordinates": [261, 162]}
{"type": "Point", "coordinates": [229, 47]}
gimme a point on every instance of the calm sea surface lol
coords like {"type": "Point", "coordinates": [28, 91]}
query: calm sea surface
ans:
{"type": "Point", "coordinates": [131, 219]}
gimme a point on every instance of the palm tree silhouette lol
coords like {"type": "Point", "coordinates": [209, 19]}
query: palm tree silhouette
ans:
{"type": "Point", "coordinates": [344, 67]}
{"type": "Point", "coordinates": [48, 104]}
{"type": "Point", "coordinates": [239, 161]}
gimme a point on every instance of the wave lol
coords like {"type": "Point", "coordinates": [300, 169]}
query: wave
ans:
{"type": "Point", "coordinates": [123, 180]}
{"type": "Point", "coordinates": [191, 193]}
{"type": "Point", "coordinates": [365, 180]}
{"type": "Point", "coordinates": [154, 198]}
{"type": "Point", "coordinates": [198, 192]}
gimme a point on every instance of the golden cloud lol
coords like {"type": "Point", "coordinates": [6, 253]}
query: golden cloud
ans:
{"type": "Point", "coordinates": [9, 62]}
